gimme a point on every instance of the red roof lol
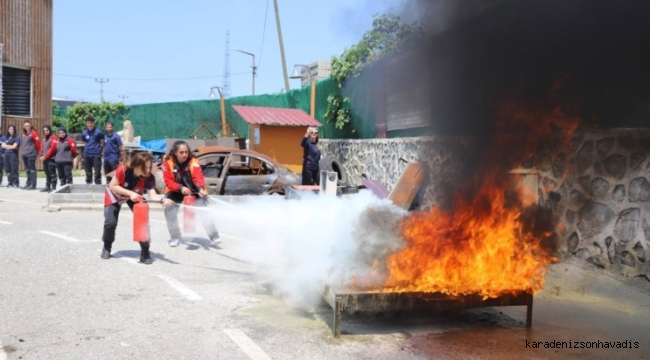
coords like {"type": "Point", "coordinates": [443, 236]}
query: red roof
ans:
{"type": "Point", "coordinates": [275, 116]}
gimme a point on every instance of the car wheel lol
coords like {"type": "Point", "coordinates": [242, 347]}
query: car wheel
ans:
{"type": "Point", "coordinates": [332, 164]}
{"type": "Point", "coordinates": [275, 192]}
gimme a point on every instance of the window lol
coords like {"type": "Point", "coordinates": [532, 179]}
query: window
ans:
{"type": "Point", "coordinates": [212, 165]}
{"type": "Point", "coordinates": [16, 92]}
{"type": "Point", "coordinates": [246, 165]}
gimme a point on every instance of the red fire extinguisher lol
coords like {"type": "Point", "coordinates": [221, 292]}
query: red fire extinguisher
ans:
{"type": "Point", "coordinates": [141, 222]}
{"type": "Point", "coordinates": [189, 225]}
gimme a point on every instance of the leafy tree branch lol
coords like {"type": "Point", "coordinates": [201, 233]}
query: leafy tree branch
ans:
{"type": "Point", "coordinates": [388, 35]}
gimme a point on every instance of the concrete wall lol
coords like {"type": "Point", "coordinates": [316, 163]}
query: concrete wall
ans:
{"type": "Point", "coordinates": [598, 188]}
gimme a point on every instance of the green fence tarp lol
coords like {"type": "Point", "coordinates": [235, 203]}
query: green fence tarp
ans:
{"type": "Point", "coordinates": [181, 119]}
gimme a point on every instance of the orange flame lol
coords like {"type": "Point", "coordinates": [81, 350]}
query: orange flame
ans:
{"type": "Point", "coordinates": [480, 248]}
{"type": "Point", "coordinates": [484, 244]}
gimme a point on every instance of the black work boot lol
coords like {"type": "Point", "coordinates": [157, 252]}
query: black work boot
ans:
{"type": "Point", "coordinates": [145, 257]}
{"type": "Point", "coordinates": [47, 189]}
{"type": "Point", "coordinates": [106, 254]}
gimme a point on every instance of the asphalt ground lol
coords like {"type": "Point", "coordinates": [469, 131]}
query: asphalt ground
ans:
{"type": "Point", "coordinates": [59, 300]}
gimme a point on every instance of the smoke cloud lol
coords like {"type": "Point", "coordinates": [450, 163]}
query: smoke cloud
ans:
{"type": "Point", "coordinates": [301, 245]}
{"type": "Point", "coordinates": [439, 15]}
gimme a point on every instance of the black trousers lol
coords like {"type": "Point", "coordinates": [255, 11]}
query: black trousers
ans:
{"type": "Point", "coordinates": [108, 167]}
{"type": "Point", "coordinates": [310, 177]}
{"type": "Point", "coordinates": [11, 167]}
{"type": "Point", "coordinates": [171, 215]}
{"type": "Point", "coordinates": [50, 173]}
{"type": "Point", "coordinates": [30, 170]}
{"type": "Point", "coordinates": [111, 216]}
{"type": "Point", "coordinates": [2, 165]}
{"type": "Point", "coordinates": [65, 172]}
{"type": "Point", "coordinates": [93, 163]}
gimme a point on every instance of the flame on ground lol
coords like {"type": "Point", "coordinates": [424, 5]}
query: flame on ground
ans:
{"type": "Point", "coordinates": [481, 248]}
{"type": "Point", "coordinates": [484, 244]}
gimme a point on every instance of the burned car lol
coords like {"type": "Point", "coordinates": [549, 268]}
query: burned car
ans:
{"type": "Point", "coordinates": [230, 171]}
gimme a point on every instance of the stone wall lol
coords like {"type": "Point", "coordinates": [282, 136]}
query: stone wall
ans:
{"type": "Point", "coordinates": [446, 159]}
{"type": "Point", "coordinates": [598, 186]}
{"type": "Point", "coordinates": [600, 192]}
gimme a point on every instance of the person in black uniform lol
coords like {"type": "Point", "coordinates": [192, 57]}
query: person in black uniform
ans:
{"type": "Point", "coordinates": [311, 157]}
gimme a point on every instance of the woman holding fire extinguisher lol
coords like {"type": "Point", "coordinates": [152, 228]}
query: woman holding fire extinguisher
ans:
{"type": "Point", "coordinates": [128, 184]}
{"type": "Point", "coordinates": [185, 183]}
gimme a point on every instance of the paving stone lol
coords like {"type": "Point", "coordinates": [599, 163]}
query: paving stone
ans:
{"type": "Point", "coordinates": [599, 188]}
{"type": "Point", "coordinates": [594, 217]}
{"type": "Point", "coordinates": [627, 224]}
{"type": "Point", "coordinates": [604, 146]}
{"type": "Point", "coordinates": [618, 194]}
{"type": "Point", "coordinates": [615, 165]}
{"type": "Point", "coordinates": [639, 190]}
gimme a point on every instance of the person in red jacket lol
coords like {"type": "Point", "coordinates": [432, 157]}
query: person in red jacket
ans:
{"type": "Point", "coordinates": [183, 176]}
{"type": "Point", "coordinates": [66, 151]}
{"type": "Point", "coordinates": [31, 148]}
{"type": "Point", "coordinates": [48, 150]}
{"type": "Point", "coordinates": [128, 185]}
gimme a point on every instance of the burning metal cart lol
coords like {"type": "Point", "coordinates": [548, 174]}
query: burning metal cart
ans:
{"type": "Point", "coordinates": [350, 300]}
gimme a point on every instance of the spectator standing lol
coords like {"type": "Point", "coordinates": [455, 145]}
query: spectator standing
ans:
{"type": "Point", "coordinates": [311, 157]}
{"type": "Point", "coordinates": [128, 184]}
{"type": "Point", "coordinates": [113, 149]}
{"type": "Point", "coordinates": [93, 139]}
{"type": "Point", "coordinates": [183, 176]}
{"type": "Point", "coordinates": [50, 142]}
{"type": "Point", "coordinates": [2, 155]}
{"type": "Point", "coordinates": [66, 151]}
{"type": "Point", "coordinates": [31, 148]}
{"type": "Point", "coordinates": [11, 146]}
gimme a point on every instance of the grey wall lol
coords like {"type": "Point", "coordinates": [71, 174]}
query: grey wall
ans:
{"type": "Point", "coordinates": [445, 157]}
{"type": "Point", "coordinates": [600, 192]}
{"type": "Point", "coordinates": [598, 187]}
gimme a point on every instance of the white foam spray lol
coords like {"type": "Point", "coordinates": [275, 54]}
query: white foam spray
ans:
{"type": "Point", "coordinates": [301, 245]}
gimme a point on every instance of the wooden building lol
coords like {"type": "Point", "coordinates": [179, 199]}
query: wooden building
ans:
{"type": "Point", "coordinates": [277, 132]}
{"type": "Point", "coordinates": [26, 38]}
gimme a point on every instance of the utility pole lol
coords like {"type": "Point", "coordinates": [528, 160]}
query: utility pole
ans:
{"type": "Point", "coordinates": [254, 66]}
{"type": "Point", "coordinates": [101, 88]}
{"type": "Point", "coordinates": [284, 62]}
{"type": "Point", "coordinates": [226, 68]}
{"type": "Point", "coordinates": [123, 97]}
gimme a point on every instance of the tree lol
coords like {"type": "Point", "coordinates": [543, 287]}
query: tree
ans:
{"type": "Point", "coordinates": [58, 117]}
{"type": "Point", "coordinates": [102, 113]}
{"type": "Point", "coordinates": [388, 35]}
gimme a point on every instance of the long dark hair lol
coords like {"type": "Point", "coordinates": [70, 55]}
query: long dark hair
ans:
{"type": "Point", "coordinates": [47, 126]}
{"type": "Point", "coordinates": [172, 152]}
{"type": "Point", "coordinates": [14, 134]}
{"type": "Point", "coordinates": [31, 127]}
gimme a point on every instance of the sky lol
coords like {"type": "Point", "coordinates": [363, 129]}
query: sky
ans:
{"type": "Point", "coordinates": [124, 40]}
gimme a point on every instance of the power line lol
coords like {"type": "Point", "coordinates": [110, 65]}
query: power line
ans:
{"type": "Point", "coordinates": [266, 16]}
{"type": "Point", "coordinates": [101, 89]}
{"type": "Point", "coordinates": [152, 79]}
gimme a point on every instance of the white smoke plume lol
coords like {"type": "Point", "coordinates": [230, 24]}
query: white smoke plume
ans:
{"type": "Point", "coordinates": [300, 245]}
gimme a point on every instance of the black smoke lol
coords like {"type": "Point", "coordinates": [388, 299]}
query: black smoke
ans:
{"type": "Point", "coordinates": [482, 53]}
